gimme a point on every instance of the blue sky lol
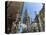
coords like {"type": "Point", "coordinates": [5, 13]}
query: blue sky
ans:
{"type": "Point", "coordinates": [32, 8]}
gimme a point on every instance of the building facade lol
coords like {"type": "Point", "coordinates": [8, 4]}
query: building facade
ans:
{"type": "Point", "coordinates": [26, 20]}
{"type": "Point", "coordinates": [13, 12]}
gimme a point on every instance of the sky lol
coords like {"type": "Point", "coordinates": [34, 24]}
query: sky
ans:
{"type": "Point", "coordinates": [32, 8]}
